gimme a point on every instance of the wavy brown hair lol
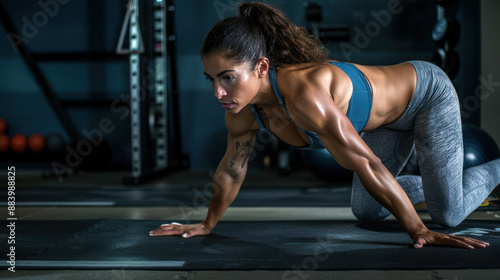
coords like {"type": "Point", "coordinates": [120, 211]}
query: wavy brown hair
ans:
{"type": "Point", "coordinates": [262, 30]}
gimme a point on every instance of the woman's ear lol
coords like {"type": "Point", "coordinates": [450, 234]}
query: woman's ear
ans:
{"type": "Point", "coordinates": [262, 67]}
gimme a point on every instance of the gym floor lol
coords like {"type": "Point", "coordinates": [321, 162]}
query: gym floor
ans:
{"type": "Point", "coordinates": [186, 178]}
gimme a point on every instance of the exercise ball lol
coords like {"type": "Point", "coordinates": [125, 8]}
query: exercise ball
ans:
{"type": "Point", "coordinates": [4, 143]}
{"type": "Point", "coordinates": [3, 126]}
{"type": "Point", "coordinates": [479, 147]}
{"type": "Point", "coordinates": [54, 143]}
{"type": "Point", "coordinates": [18, 143]}
{"type": "Point", "coordinates": [324, 166]}
{"type": "Point", "coordinates": [36, 142]}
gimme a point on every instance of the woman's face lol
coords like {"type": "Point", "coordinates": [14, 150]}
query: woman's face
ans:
{"type": "Point", "coordinates": [235, 84]}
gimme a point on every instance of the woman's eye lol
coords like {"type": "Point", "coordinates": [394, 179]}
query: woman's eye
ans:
{"type": "Point", "coordinates": [210, 80]}
{"type": "Point", "coordinates": [229, 78]}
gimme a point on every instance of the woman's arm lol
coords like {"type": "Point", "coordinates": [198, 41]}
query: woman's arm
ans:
{"type": "Point", "coordinates": [229, 175]}
{"type": "Point", "coordinates": [320, 114]}
{"type": "Point", "coordinates": [343, 142]}
{"type": "Point", "coordinates": [227, 181]}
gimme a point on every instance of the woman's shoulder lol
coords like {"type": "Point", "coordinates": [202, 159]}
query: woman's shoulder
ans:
{"type": "Point", "coordinates": [309, 81]}
{"type": "Point", "coordinates": [312, 68]}
{"type": "Point", "coordinates": [305, 75]}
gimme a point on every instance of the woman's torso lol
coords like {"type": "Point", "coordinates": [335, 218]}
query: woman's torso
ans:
{"type": "Point", "coordinates": [392, 88]}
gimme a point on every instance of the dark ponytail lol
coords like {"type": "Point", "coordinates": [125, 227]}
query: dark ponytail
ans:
{"type": "Point", "coordinates": [261, 30]}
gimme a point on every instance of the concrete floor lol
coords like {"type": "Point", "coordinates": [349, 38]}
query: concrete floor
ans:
{"type": "Point", "coordinates": [33, 178]}
{"type": "Point", "coordinates": [252, 275]}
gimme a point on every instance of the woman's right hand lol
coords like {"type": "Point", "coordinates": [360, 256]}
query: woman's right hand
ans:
{"type": "Point", "coordinates": [179, 229]}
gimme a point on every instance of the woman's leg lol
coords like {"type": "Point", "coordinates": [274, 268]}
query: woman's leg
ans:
{"type": "Point", "coordinates": [451, 194]}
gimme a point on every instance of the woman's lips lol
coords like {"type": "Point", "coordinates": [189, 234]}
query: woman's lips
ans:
{"type": "Point", "coordinates": [228, 106]}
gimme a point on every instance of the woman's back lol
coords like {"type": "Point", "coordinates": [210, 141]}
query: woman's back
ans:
{"type": "Point", "coordinates": [392, 88]}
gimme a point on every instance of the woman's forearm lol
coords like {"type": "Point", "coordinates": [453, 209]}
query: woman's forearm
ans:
{"type": "Point", "coordinates": [225, 188]}
{"type": "Point", "coordinates": [384, 188]}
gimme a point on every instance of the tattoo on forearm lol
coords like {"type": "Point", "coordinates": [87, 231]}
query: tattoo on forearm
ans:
{"type": "Point", "coordinates": [243, 152]}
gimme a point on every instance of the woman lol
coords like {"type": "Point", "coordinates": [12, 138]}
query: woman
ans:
{"type": "Point", "coordinates": [268, 73]}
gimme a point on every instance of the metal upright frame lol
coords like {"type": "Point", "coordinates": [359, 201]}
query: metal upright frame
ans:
{"type": "Point", "coordinates": [161, 84]}
{"type": "Point", "coordinates": [155, 134]}
{"type": "Point", "coordinates": [135, 40]}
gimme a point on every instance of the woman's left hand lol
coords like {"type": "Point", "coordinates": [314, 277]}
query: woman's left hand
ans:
{"type": "Point", "coordinates": [427, 237]}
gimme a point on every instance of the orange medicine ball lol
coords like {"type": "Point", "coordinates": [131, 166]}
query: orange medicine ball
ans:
{"type": "Point", "coordinates": [18, 143]}
{"type": "Point", "coordinates": [36, 142]}
{"type": "Point", "coordinates": [4, 143]}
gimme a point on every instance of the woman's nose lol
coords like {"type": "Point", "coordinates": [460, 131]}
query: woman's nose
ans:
{"type": "Point", "coordinates": [219, 92]}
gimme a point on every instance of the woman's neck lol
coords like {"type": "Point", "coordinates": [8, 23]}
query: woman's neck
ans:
{"type": "Point", "coordinates": [265, 96]}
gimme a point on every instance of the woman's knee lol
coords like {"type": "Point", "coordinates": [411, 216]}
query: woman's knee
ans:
{"type": "Point", "coordinates": [445, 219]}
{"type": "Point", "coordinates": [368, 215]}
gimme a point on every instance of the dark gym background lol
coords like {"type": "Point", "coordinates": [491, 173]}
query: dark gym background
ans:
{"type": "Point", "coordinates": [94, 225]}
{"type": "Point", "coordinates": [94, 26]}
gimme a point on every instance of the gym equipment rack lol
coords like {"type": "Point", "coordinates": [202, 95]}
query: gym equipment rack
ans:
{"type": "Point", "coordinates": [155, 125]}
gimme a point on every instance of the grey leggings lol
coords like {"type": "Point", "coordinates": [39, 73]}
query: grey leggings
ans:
{"type": "Point", "coordinates": [431, 123]}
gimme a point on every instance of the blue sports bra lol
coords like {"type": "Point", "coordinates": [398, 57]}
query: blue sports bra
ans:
{"type": "Point", "coordinates": [358, 111]}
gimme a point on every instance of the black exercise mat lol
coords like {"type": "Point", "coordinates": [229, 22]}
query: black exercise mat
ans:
{"type": "Point", "coordinates": [292, 246]}
{"type": "Point", "coordinates": [177, 196]}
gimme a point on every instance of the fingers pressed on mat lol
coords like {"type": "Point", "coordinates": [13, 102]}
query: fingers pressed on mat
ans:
{"type": "Point", "coordinates": [473, 241]}
{"type": "Point", "coordinates": [459, 243]}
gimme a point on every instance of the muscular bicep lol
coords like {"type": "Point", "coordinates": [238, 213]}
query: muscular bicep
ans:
{"type": "Point", "coordinates": [336, 132]}
{"type": "Point", "coordinates": [344, 143]}
{"type": "Point", "coordinates": [240, 143]}
{"type": "Point", "coordinates": [238, 152]}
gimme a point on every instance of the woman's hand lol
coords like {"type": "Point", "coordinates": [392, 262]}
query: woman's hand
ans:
{"type": "Point", "coordinates": [427, 237]}
{"type": "Point", "coordinates": [179, 229]}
